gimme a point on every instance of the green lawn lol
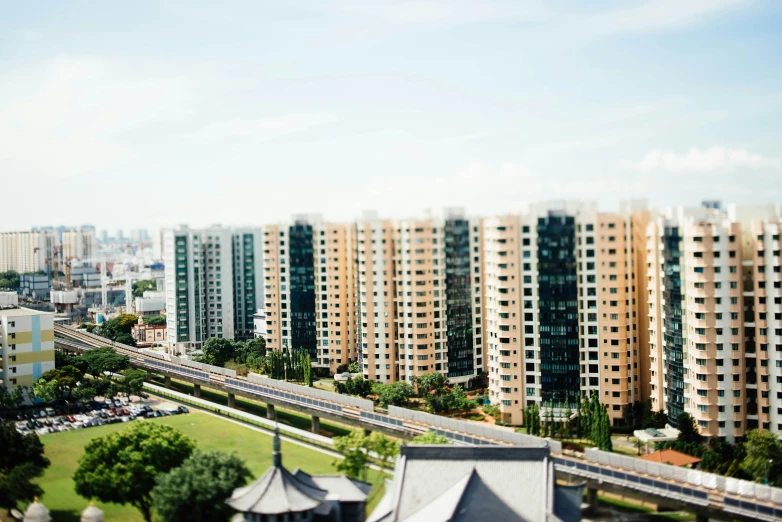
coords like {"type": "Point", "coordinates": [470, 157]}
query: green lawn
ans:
{"type": "Point", "coordinates": [290, 418]}
{"type": "Point", "coordinates": [209, 432]}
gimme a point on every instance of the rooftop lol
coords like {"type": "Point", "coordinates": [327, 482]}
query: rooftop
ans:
{"type": "Point", "coordinates": [673, 457]}
{"type": "Point", "coordinates": [475, 483]}
{"type": "Point", "coordinates": [20, 312]}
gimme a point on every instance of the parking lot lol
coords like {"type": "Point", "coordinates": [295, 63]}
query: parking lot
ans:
{"type": "Point", "coordinates": [97, 412]}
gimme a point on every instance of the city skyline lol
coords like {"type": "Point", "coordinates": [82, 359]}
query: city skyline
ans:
{"type": "Point", "coordinates": [206, 115]}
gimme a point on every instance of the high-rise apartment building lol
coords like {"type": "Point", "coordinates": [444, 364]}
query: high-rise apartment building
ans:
{"type": "Point", "coordinates": [541, 300]}
{"type": "Point", "coordinates": [419, 296]}
{"type": "Point", "coordinates": [78, 243]}
{"type": "Point", "coordinates": [763, 322]}
{"type": "Point", "coordinates": [27, 251]}
{"type": "Point", "coordinates": [561, 301]}
{"type": "Point", "coordinates": [711, 287]}
{"type": "Point", "coordinates": [623, 355]}
{"type": "Point", "coordinates": [212, 284]}
{"type": "Point", "coordinates": [308, 272]}
{"type": "Point", "coordinates": [376, 300]}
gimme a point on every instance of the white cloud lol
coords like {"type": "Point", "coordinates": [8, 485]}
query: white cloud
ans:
{"type": "Point", "coordinates": [71, 116]}
{"type": "Point", "coordinates": [434, 11]}
{"type": "Point", "coordinates": [715, 159]}
{"type": "Point", "coordinates": [651, 15]}
{"type": "Point", "coordinates": [261, 128]}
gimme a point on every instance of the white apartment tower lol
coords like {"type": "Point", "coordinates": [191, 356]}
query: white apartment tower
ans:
{"type": "Point", "coordinates": [212, 284]}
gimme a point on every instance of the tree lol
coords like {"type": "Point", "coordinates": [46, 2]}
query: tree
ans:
{"type": "Point", "coordinates": [139, 287]}
{"type": "Point", "coordinates": [133, 381]}
{"type": "Point", "coordinates": [384, 448]}
{"type": "Point", "coordinates": [104, 359]}
{"type": "Point", "coordinates": [353, 447]}
{"type": "Point", "coordinates": [218, 351]}
{"type": "Point", "coordinates": [395, 393]}
{"type": "Point", "coordinates": [628, 414]}
{"type": "Point", "coordinates": [12, 399]}
{"type": "Point", "coordinates": [9, 280]}
{"type": "Point", "coordinates": [639, 445]}
{"type": "Point", "coordinates": [44, 391]}
{"type": "Point", "coordinates": [353, 367]}
{"type": "Point", "coordinates": [764, 457]}
{"type": "Point", "coordinates": [126, 339]}
{"type": "Point", "coordinates": [430, 382]}
{"type": "Point", "coordinates": [648, 415]}
{"type": "Point", "coordinates": [123, 323]}
{"type": "Point", "coordinates": [567, 429]}
{"type": "Point", "coordinates": [123, 467]}
{"type": "Point", "coordinates": [493, 410]}
{"type": "Point", "coordinates": [65, 380]}
{"type": "Point", "coordinates": [21, 461]}
{"type": "Point", "coordinates": [306, 368]}
{"type": "Point", "coordinates": [156, 320]}
{"type": "Point", "coordinates": [62, 359]}
{"type": "Point", "coordinates": [197, 489]}
{"type": "Point", "coordinates": [357, 386]}
{"type": "Point", "coordinates": [688, 432]}
{"type": "Point", "coordinates": [430, 437]}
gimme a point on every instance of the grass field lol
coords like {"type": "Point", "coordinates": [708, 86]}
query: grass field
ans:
{"type": "Point", "coordinates": [209, 433]}
{"type": "Point", "coordinates": [297, 420]}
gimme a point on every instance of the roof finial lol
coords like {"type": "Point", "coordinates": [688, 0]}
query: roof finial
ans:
{"type": "Point", "coordinates": [276, 447]}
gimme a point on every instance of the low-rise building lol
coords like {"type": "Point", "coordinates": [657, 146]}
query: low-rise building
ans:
{"type": "Point", "coordinates": [476, 483]}
{"type": "Point", "coordinates": [148, 335]}
{"type": "Point", "coordinates": [26, 345]}
{"type": "Point", "coordinates": [280, 495]}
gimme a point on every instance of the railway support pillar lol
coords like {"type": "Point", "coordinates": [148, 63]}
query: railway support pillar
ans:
{"type": "Point", "coordinates": [167, 381]}
{"type": "Point", "coordinates": [315, 424]}
{"type": "Point", "coordinates": [196, 390]}
{"type": "Point", "coordinates": [231, 400]}
{"type": "Point", "coordinates": [271, 413]}
{"type": "Point", "coordinates": [592, 499]}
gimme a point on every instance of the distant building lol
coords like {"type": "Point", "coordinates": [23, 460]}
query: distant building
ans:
{"type": "Point", "coordinates": [280, 495]}
{"type": "Point", "coordinates": [78, 244]}
{"type": "Point", "coordinates": [27, 251]}
{"type": "Point", "coordinates": [147, 335]}
{"type": "Point", "coordinates": [35, 286]}
{"type": "Point", "coordinates": [27, 345]}
{"type": "Point", "coordinates": [151, 303]}
{"type": "Point", "coordinates": [446, 483]}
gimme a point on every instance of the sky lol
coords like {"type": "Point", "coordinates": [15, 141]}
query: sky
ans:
{"type": "Point", "coordinates": [151, 114]}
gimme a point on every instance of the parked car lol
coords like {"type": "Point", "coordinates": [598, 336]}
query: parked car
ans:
{"type": "Point", "coordinates": [124, 411]}
{"type": "Point", "coordinates": [70, 418]}
{"type": "Point", "coordinates": [148, 408]}
{"type": "Point", "coordinates": [183, 409]}
{"type": "Point", "coordinates": [47, 422]}
{"type": "Point", "coordinates": [103, 415]}
{"type": "Point", "coordinates": [50, 412]}
{"type": "Point", "coordinates": [38, 424]}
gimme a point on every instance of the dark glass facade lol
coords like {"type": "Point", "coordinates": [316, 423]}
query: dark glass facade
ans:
{"type": "Point", "coordinates": [244, 285]}
{"type": "Point", "coordinates": [458, 302]}
{"type": "Point", "coordinates": [558, 305]}
{"type": "Point", "coordinates": [302, 289]}
{"type": "Point", "coordinates": [182, 322]}
{"type": "Point", "coordinates": [673, 338]}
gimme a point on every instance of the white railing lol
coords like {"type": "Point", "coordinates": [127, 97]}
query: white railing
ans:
{"type": "Point", "coordinates": [345, 400]}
